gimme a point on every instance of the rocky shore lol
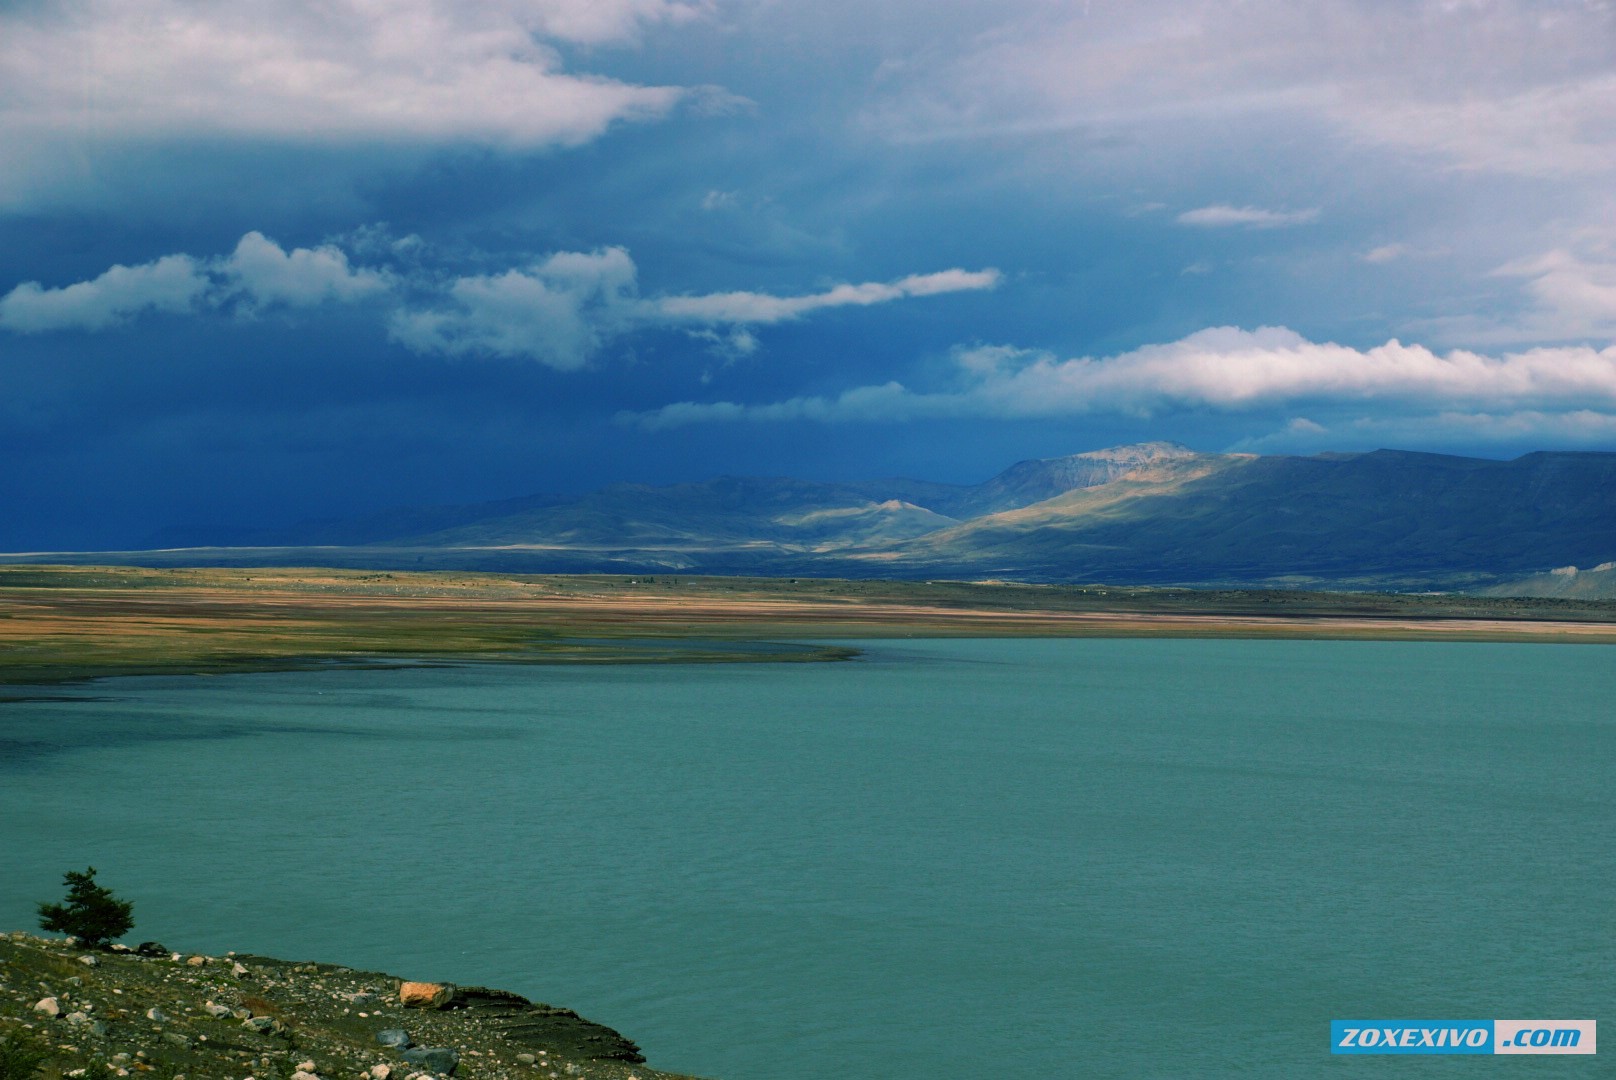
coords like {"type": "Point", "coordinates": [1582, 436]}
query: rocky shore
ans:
{"type": "Point", "coordinates": [149, 1011]}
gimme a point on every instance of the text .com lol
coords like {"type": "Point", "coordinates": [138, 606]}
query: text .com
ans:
{"type": "Point", "coordinates": [1463, 1037]}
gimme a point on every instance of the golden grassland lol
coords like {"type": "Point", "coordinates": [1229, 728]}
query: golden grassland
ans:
{"type": "Point", "coordinates": [61, 623]}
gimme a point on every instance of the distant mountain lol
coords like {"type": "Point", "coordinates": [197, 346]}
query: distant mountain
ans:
{"type": "Point", "coordinates": [1154, 512]}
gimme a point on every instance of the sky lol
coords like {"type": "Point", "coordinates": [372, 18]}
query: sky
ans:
{"type": "Point", "coordinates": [293, 259]}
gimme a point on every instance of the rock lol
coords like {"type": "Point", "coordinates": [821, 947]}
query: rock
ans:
{"type": "Point", "coordinates": [197, 961]}
{"type": "Point", "coordinates": [423, 995]}
{"type": "Point", "coordinates": [440, 1059]}
{"type": "Point", "coordinates": [363, 998]}
{"type": "Point", "coordinates": [78, 1018]}
{"type": "Point", "coordinates": [304, 1075]}
{"type": "Point", "coordinates": [150, 948]}
{"type": "Point", "coordinates": [213, 1008]}
{"type": "Point", "coordinates": [239, 970]}
{"type": "Point", "coordinates": [176, 1039]}
{"type": "Point", "coordinates": [99, 1027]}
{"type": "Point", "coordinates": [394, 1037]}
{"type": "Point", "coordinates": [267, 1025]}
{"type": "Point", "coordinates": [241, 1012]}
{"type": "Point", "coordinates": [90, 961]}
{"type": "Point", "coordinates": [119, 947]}
{"type": "Point", "coordinates": [307, 1066]}
{"type": "Point", "coordinates": [380, 1072]}
{"type": "Point", "coordinates": [49, 1006]}
{"type": "Point", "coordinates": [156, 1015]}
{"type": "Point", "coordinates": [526, 1059]}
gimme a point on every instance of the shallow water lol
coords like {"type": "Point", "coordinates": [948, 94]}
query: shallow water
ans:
{"type": "Point", "coordinates": [1126, 858]}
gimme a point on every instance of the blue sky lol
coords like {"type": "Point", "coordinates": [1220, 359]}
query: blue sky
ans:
{"type": "Point", "coordinates": [272, 261]}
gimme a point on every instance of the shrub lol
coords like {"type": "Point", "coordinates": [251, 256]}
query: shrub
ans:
{"type": "Point", "coordinates": [91, 914]}
{"type": "Point", "coordinates": [20, 1056]}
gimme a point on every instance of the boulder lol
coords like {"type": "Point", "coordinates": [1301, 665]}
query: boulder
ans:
{"type": "Point", "coordinates": [49, 1006]}
{"type": "Point", "coordinates": [394, 1037]}
{"type": "Point", "coordinates": [425, 995]}
{"type": "Point", "coordinates": [440, 1059]}
{"type": "Point", "coordinates": [151, 948]}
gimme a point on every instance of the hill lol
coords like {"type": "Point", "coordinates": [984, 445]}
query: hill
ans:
{"type": "Point", "coordinates": [1149, 513]}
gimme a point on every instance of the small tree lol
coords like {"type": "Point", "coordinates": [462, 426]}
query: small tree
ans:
{"type": "Point", "coordinates": [92, 914]}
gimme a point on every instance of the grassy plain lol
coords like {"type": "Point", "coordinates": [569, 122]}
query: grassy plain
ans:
{"type": "Point", "coordinates": [73, 622]}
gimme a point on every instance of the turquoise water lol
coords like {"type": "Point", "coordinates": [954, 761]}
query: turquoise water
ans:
{"type": "Point", "coordinates": [949, 859]}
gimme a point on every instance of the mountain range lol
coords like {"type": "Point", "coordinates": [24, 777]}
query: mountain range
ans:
{"type": "Point", "coordinates": [1147, 513]}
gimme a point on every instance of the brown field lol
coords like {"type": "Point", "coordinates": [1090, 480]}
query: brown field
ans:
{"type": "Point", "coordinates": [59, 623]}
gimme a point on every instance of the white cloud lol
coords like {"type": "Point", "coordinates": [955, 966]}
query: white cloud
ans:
{"type": "Point", "coordinates": [1519, 86]}
{"type": "Point", "coordinates": [1224, 216]}
{"type": "Point", "coordinates": [268, 274]}
{"type": "Point", "coordinates": [258, 273]}
{"type": "Point", "coordinates": [762, 308]}
{"type": "Point", "coordinates": [1386, 253]}
{"type": "Point", "coordinates": [562, 310]}
{"type": "Point", "coordinates": [77, 76]}
{"type": "Point", "coordinates": [1223, 368]}
{"type": "Point", "coordinates": [558, 311]}
{"type": "Point", "coordinates": [174, 283]}
{"type": "Point", "coordinates": [1450, 428]}
{"type": "Point", "coordinates": [1569, 295]}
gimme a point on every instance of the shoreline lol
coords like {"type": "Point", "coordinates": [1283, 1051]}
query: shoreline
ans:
{"type": "Point", "coordinates": [129, 1012]}
{"type": "Point", "coordinates": [73, 624]}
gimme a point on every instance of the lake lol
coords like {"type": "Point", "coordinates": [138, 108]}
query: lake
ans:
{"type": "Point", "coordinates": [1016, 858]}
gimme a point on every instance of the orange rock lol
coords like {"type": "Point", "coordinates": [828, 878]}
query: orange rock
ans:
{"type": "Point", "coordinates": [424, 995]}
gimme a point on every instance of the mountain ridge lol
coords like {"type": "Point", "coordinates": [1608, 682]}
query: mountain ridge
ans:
{"type": "Point", "coordinates": [1144, 513]}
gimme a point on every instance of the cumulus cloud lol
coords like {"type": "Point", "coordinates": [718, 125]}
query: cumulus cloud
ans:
{"type": "Point", "coordinates": [118, 71]}
{"type": "Point", "coordinates": [559, 309]}
{"type": "Point", "coordinates": [1223, 216]}
{"type": "Point", "coordinates": [265, 272]}
{"type": "Point", "coordinates": [562, 310]}
{"type": "Point", "coordinates": [173, 283]}
{"type": "Point", "coordinates": [1223, 368]}
{"type": "Point", "coordinates": [258, 273]}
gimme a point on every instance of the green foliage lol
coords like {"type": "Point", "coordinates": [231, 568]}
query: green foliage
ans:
{"type": "Point", "coordinates": [20, 1056]}
{"type": "Point", "coordinates": [91, 914]}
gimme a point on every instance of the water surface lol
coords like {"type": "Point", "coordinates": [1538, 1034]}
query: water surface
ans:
{"type": "Point", "coordinates": [1126, 858]}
